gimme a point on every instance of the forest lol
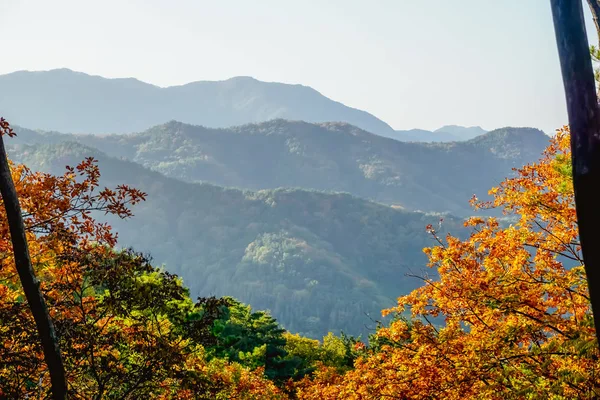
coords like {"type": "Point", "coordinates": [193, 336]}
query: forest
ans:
{"type": "Point", "coordinates": [502, 316]}
{"type": "Point", "coordinates": [294, 247]}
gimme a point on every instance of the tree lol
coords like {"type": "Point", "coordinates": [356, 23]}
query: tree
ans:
{"type": "Point", "coordinates": [509, 316]}
{"type": "Point", "coordinates": [35, 299]}
{"type": "Point", "coordinates": [254, 339]}
{"type": "Point", "coordinates": [584, 121]}
{"type": "Point", "coordinates": [338, 352]}
{"type": "Point", "coordinates": [126, 329]}
{"type": "Point", "coordinates": [595, 9]}
{"type": "Point", "coordinates": [595, 50]}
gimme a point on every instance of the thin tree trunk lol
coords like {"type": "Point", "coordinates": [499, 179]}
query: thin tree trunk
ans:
{"type": "Point", "coordinates": [584, 121]}
{"type": "Point", "coordinates": [595, 9]}
{"type": "Point", "coordinates": [31, 285]}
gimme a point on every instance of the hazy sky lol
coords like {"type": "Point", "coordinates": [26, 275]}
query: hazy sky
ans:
{"type": "Point", "coordinates": [411, 63]}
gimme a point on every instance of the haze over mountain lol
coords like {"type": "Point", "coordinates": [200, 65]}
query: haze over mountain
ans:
{"type": "Point", "coordinates": [461, 132]}
{"type": "Point", "coordinates": [438, 177]}
{"type": "Point", "coordinates": [287, 239]}
{"type": "Point", "coordinates": [70, 101]}
{"type": "Point", "coordinates": [318, 261]}
{"type": "Point", "coordinates": [447, 133]}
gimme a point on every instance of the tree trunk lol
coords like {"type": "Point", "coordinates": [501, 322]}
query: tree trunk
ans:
{"type": "Point", "coordinates": [31, 285]}
{"type": "Point", "coordinates": [584, 121]}
{"type": "Point", "coordinates": [595, 9]}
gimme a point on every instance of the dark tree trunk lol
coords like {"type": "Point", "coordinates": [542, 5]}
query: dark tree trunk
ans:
{"type": "Point", "coordinates": [30, 283]}
{"type": "Point", "coordinates": [584, 121]}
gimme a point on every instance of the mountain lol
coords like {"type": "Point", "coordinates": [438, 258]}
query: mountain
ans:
{"type": "Point", "coordinates": [438, 177]}
{"type": "Point", "coordinates": [447, 133]}
{"type": "Point", "coordinates": [70, 101]}
{"type": "Point", "coordinates": [416, 135]}
{"type": "Point", "coordinates": [461, 132]}
{"type": "Point", "coordinates": [319, 261]}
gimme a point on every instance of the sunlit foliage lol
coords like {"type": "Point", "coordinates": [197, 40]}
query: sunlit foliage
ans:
{"type": "Point", "coordinates": [508, 317]}
{"type": "Point", "coordinates": [126, 329]}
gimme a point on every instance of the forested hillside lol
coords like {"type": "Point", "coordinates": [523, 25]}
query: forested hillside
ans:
{"type": "Point", "coordinates": [439, 177]}
{"type": "Point", "coordinates": [498, 303]}
{"type": "Point", "coordinates": [319, 261]}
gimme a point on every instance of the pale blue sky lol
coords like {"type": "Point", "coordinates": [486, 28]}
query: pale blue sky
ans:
{"type": "Point", "coordinates": [411, 63]}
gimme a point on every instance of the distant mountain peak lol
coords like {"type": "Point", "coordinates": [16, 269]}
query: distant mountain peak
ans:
{"type": "Point", "coordinates": [461, 132]}
{"type": "Point", "coordinates": [447, 128]}
{"type": "Point", "coordinates": [242, 77]}
{"type": "Point", "coordinates": [447, 133]}
{"type": "Point", "coordinates": [69, 101]}
{"type": "Point", "coordinates": [62, 70]}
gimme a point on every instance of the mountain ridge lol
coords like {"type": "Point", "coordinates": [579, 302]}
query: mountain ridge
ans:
{"type": "Point", "coordinates": [329, 156]}
{"type": "Point", "coordinates": [69, 101]}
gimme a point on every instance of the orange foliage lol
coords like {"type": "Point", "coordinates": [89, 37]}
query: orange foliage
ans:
{"type": "Point", "coordinates": [507, 318]}
{"type": "Point", "coordinates": [114, 313]}
{"type": "Point", "coordinates": [507, 314]}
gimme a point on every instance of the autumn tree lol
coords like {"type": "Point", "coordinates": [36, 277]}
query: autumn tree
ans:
{"type": "Point", "coordinates": [28, 280]}
{"type": "Point", "coordinates": [509, 315]}
{"type": "Point", "coordinates": [126, 329]}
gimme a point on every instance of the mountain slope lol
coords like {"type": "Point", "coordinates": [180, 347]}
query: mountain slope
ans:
{"type": "Point", "coordinates": [319, 261]}
{"type": "Point", "coordinates": [438, 177]}
{"type": "Point", "coordinates": [70, 101]}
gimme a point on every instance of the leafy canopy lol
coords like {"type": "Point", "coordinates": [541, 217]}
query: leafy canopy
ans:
{"type": "Point", "coordinates": [508, 317]}
{"type": "Point", "coordinates": [126, 329]}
